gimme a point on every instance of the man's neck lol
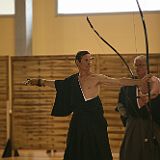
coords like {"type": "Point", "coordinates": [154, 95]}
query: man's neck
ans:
{"type": "Point", "coordinates": [84, 74]}
{"type": "Point", "coordinates": [141, 76]}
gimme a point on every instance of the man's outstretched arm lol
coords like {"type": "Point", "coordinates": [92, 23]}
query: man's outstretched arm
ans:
{"type": "Point", "coordinates": [122, 81]}
{"type": "Point", "coordinates": [40, 82]}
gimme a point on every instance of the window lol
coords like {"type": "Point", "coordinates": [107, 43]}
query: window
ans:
{"type": "Point", "coordinates": [7, 7]}
{"type": "Point", "coordinates": [104, 6]}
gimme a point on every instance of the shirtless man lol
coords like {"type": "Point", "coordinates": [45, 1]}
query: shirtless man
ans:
{"type": "Point", "coordinates": [85, 77]}
{"type": "Point", "coordinates": [78, 94]}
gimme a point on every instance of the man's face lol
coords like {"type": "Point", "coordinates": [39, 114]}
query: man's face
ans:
{"type": "Point", "coordinates": [85, 62]}
{"type": "Point", "coordinates": [140, 67]}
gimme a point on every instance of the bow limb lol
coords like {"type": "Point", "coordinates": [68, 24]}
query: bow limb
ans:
{"type": "Point", "coordinates": [130, 71]}
{"type": "Point", "coordinates": [146, 36]}
{"type": "Point", "coordinates": [147, 49]}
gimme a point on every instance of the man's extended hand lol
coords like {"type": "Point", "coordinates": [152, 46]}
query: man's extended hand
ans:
{"type": "Point", "coordinates": [147, 78]}
{"type": "Point", "coordinates": [154, 87]}
{"type": "Point", "coordinates": [32, 82]}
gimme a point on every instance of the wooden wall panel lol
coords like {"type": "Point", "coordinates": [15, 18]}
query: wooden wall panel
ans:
{"type": "Point", "coordinates": [32, 123]}
{"type": "Point", "coordinates": [3, 99]}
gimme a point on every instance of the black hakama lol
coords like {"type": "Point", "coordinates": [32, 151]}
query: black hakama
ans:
{"type": "Point", "coordinates": [87, 136]}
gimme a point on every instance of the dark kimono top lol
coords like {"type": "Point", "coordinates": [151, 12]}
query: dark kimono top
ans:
{"type": "Point", "coordinates": [128, 98]}
{"type": "Point", "coordinates": [142, 134]}
{"type": "Point", "coordinates": [69, 97]}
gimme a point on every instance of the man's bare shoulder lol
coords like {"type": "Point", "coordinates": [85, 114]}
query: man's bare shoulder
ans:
{"type": "Point", "coordinates": [97, 75]}
{"type": "Point", "coordinates": [100, 78]}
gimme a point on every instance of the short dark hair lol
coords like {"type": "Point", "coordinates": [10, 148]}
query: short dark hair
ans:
{"type": "Point", "coordinates": [80, 54]}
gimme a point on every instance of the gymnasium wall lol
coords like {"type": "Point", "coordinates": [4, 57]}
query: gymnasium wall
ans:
{"type": "Point", "coordinates": [33, 126]}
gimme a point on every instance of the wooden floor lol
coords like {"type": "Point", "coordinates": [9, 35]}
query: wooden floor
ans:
{"type": "Point", "coordinates": [40, 155]}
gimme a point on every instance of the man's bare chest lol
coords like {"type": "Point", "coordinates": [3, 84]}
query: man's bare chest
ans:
{"type": "Point", "coordinates": [87, 83]}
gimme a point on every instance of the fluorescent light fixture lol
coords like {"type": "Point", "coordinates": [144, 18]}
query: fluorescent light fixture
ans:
{"type": "Point", "coordinates": [104, 6]}
{"type": "Point", "coordinates": [7, 7]}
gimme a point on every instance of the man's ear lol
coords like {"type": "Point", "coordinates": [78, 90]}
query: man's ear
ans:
{"type": "Point", "coordinates": [77, 62]}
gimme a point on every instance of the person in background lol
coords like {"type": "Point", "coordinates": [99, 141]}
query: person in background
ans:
{"type": "Point", "coordinates": [141, 117]}
{"type": "Point", "coordinates": [87, 137]}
